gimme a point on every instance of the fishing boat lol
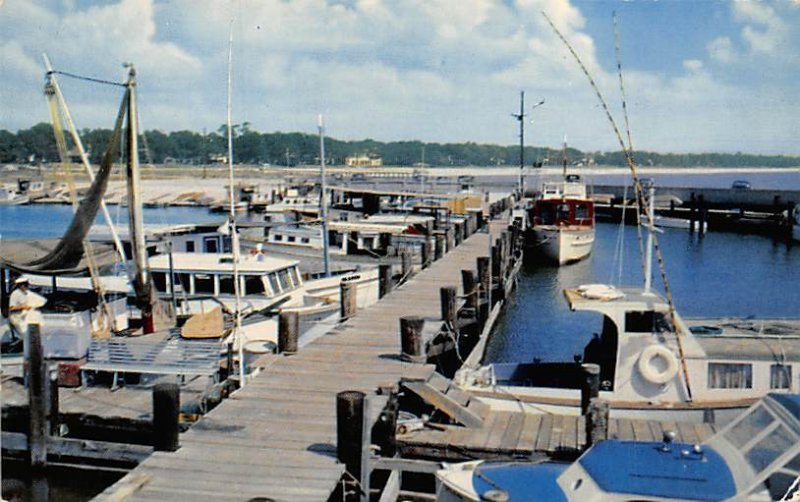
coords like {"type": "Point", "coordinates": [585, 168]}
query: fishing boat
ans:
{"type": "Point", "coordinates": [752, 458]}
{"type": "Point", "coordinates": [654, 364]}
{"type": "Point", "coordinates": [563, 220]}
{"type": "Point", "coordinates": [9, 196]}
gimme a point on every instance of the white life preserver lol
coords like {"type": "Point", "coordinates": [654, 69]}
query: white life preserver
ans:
{"type": "Point", "coordinates": [650, 372]}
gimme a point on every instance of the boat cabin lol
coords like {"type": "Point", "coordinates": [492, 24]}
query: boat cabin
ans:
{"type": "Point", "coordinates": [559, 212]}
{"type": "Point", "coordinates": [204, 275]}
{"type": "Point", "coordinates": [730, 363]}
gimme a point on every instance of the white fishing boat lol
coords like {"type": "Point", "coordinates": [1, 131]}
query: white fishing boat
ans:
{"type": "Point", "coordinates": [563, 221]}
{"type": "Point", "coordinates": [9, 196]}
{"type": "Point", "coordinates": [653, 363]}
{"type": "Point", "coordinates": [753, 458]}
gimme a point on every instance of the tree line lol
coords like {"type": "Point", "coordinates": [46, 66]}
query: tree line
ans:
{"type": "Point", "coordinates": [37, 145]}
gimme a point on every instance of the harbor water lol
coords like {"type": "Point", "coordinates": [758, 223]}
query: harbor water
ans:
{"type": "Point", "coordinates": [713, 275]}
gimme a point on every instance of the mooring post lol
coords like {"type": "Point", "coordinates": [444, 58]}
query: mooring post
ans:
{"type": "Point", "coordinates": [405, 257]}
{"type": "Point", "coordinates": [596, 421]}
{"type": "Point", "coordinates": [229, 361]}
{"type": "Point", "coordinates": [447, 296]}
{"type": "Point", "coordinates": [484, 277]}
{"type": "Point", "coordinates": [458, 233]}
{"type": "Point", "coordinates": [591, 384]}
{"type": "Point", "coordinates": [385, 282]}
{"type": "Point", "coordinates": [52, 412]}
{"type": "Point", "coordinates": [470, 291]}
{"type": "Point", "coordinates": [692, 211]}
{"type": "Point", "coordinates": [37, 393]}
{"type": "Point", "coordinates": [348, 296]}
{"type": "Point", "coordinates": [789, 222]}
{"type": "Point", "coordinates": [439, 247]}
{"type": "Point", "coordinates": [702, 213]}
{"type": "Point", "coordinates": [349, 435]}
{"type": "Point", "coordinates": [451, 240]}
{"type": "Point", "coordinates": [411, 343]}
{"type": "Point", "coordinates": [166, 407]}
{"type": "Point", "coordinates": [288, 332]}
{"type": "Point", "coordinates": [427, 251]}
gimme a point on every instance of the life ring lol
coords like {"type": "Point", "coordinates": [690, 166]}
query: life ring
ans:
{"type": "Point", "coordinates": [650, 372]}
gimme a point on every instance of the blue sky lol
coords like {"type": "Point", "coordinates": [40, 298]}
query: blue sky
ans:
{"type": "Point", "coordinates": [700, 75]}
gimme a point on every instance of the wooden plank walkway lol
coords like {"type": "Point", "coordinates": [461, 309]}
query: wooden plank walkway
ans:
{"type": "Point", "coordinates": [512, 434]}
{"type": "Point", "coordinates": [276, 437]}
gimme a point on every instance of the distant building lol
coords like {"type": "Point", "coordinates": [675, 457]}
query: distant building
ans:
{"type": "Point", "coordinates": [363, 161]}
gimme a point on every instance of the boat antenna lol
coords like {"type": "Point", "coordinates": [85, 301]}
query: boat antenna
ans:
{"type": "Point", "coordinates": [323, 197]}
{"type": "Point", "coordinates": [237, 333]}
{"type": "Point", "coordinates": [521, 118]}
{"type": "Point", "coordinates": [637, 184]}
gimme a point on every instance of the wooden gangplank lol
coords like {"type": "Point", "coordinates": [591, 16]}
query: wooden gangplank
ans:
{"type": "Point", "coordinates": [276, 437]}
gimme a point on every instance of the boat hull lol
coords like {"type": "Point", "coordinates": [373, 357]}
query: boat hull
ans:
{"type": "Point", "coordinates": [564, 244]}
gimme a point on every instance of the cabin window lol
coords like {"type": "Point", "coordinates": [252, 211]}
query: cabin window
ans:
{"type": "Point", "coordinates": [780, 376]}
{"type": "Point", "coordinates": [273, 282]}
{"type": "Point", "coordinates": [184, 283]}
{"type": "Point", "coordinates": [749, 426]}
{"type": "Point", "coordinates": [581, 211]}
{"type": "Point", "coordinates": [160, 281]}
{"type": "Point", "coordinates": [563, 212]}
{"type": "Point", "coordinates": [253, 285]}
{"type": "Point", "coordinates": [291, 238]}
{"type": "Point", "coordinates": [226, 285]}
{"type": "Point", "coordinates": [210, 245]}
{"type": "Point", "coordinates": [226, 244]}
{"type": "Point", "coordinates": [546, 214]}
{"type": "Point", "coordinates": [305, 240]}
{"type": "Point", "coordinates": [295, 276]}
{"type": "Point", "coordinates": [730, 376]}
{"type": "Point", "coordinates": [278, 237]}
{"type": "Point", "coordinates": [639, 322]}
{"type": "Point", "coordinates": [367, 243]}
{"type": "Point", "coordinates": [190, 246]}
{"type": "Point", "coordinates": [768, 449]}
{"type": "Point", "coordinates": [283, 278]}
{"type": "Point", "coordinates": [204, 284]}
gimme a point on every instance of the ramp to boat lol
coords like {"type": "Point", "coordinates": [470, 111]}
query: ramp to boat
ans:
{"type": "Point", "coordinates": [276, 437]}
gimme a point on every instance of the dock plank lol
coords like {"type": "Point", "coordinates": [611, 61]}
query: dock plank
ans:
{"type": "Point", "coordinates": [276, 436]}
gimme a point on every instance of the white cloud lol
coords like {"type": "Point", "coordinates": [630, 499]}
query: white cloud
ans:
{"type": "Point", "coordinates": [437, 70]}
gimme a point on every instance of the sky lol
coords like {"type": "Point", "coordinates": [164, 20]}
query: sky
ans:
{"type": "Point", "coordinates": [700, 75]}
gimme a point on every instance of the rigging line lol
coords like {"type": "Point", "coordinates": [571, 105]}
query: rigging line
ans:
{"type": "Point", "coordinates": [85, 78]}
{"type": "Point", "coordinates": [639, 202]}
{"type": "Point", "coordinates": [632, 166]}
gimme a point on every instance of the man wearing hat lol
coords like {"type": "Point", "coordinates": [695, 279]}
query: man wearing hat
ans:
{"type": "Point", "coordinates": [22, 305]}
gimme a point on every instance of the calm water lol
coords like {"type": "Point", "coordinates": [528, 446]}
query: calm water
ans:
{"type": "Point", "coordinates": [719, 274]}
{"type": "Point", "coordinates": [43, 221]}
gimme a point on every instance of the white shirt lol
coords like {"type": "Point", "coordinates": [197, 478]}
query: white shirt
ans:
{"type": "Point", "coordinates": [21, 318]}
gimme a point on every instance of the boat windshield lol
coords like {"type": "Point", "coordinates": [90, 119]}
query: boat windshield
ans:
{"type": "Point", "coordinates": [768, 438]}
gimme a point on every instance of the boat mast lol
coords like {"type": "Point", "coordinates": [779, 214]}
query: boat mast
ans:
{"type": "Point", "coordinates": [564, 159]}
{"type": "Point", "coordinates": [521, 117]}
{"type": "Point", "coordinates": [51, 79]}
{"type": "Point", "coordinates": [141, 280]}
{"type": "Point", "coordinates": [648, 263]}
{"type": "Point", "coordinates": [323, 197]}
{"type": "Point", "coordinates": [232, 221]}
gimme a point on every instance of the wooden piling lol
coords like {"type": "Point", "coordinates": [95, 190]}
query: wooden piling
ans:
{"type": "Point", "coordinates": [427, 252]}
{"type": "Point", "coordinates": [405, 258]}
{"type": "Point", "coordinates": [439, 247]}
{"type": "Point", "coordinates": [469, 287]}
{"type": "Point", "coordinates": [484, 275]}
{"type": "Point", "coordinates": [385, 280]}
{"type": "Point", "coordinates": [348, 296]}
{"type": "Point", "coordinates": [349, 433]}
{"type": "Point", "coordinates": [411, 343]}
{"type": "Point", "coordinates": [596, 421]}
{"type": "Point", "coordinates": [166, 407]}
{"type": "Point", "coordinates": [52, 411]}
{"type": "Point", "coordinates": [229, 361]}
{"type": "Point", "coordinates": [590, 387]}
{"type": "Point", "coordinates": [288, 332]}
{"type": "Point", "coordinates": [447, 296]}
{"type": "Point", "coordinates": [450, 239]}
{"type": "Point", "coordinates": [37, 393]}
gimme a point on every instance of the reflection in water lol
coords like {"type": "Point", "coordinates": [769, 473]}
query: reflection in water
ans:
{"type": "Point", "coordinates": [716, 275]}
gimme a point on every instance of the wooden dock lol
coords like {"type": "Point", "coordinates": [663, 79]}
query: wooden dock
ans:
{"type": "Point", "coordinates": [276, 437]}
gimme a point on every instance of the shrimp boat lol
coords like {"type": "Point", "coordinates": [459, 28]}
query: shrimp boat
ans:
{"type": "Point", "coordinates": [563, 221]}
{"type": "Point", "coordinates": [753, 458]}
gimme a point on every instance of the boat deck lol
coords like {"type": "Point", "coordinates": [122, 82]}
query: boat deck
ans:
{"type": "Point", "coordinates": [276, 437]}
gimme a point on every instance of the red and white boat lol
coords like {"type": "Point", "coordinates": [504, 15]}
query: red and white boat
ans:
{"type": "Point", "coordinates": [563, 221]}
